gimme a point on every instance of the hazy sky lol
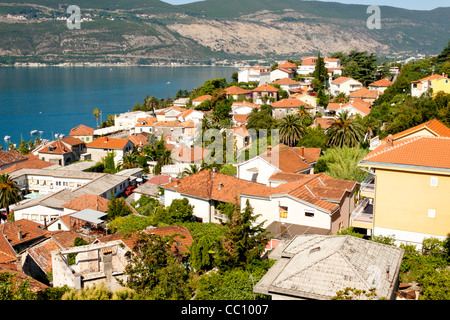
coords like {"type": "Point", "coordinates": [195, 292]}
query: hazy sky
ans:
{"type": "Point", "coordinates": [408, 4]}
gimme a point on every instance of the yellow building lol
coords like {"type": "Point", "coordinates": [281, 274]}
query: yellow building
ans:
{"type": "Point", "coordinates": [82, 132]}
{"type": "Point", "coordinates": [408, 197]}
{"type": "Point", "coordinates": [440, 84]}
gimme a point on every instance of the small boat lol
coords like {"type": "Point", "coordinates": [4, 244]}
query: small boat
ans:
{"type": "Point", "coordinates": [33, 132]}
{"type": "Point", "coordinates": [7, 138]}
{"type": "Point", "coordinates": [61, 136]}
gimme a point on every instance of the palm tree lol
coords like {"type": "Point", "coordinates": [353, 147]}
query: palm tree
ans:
{"type": "Point", "coordinates": [346, 131]}
{"type": "Point", "coordinates": [193, 168]}
{"type": "Point", "coordinates": [129, 161]}
{"type": "Point", "coordinates": [9, 192]}
{"type": "Point", "coordinates": [96, 114]}
{"type": "Point", "coordinates": [291, 129]}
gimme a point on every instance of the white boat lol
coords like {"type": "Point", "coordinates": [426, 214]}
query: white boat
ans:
{"type": "Point", "coordinates": [61, 136]}
{"type": "Point", "coordinates": [33, 132]}
{"type": "Point", "coordinates": [7, 138]}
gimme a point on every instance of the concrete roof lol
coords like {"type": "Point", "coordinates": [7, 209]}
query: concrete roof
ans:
{"type": "Point", "coordinates": [90, 215]}
{"type": "Point", "coordinates": [318, 266]}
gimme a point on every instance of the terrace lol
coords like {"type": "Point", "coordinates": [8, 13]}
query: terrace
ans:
{"type": "Point", "coordinates": [362, 216]}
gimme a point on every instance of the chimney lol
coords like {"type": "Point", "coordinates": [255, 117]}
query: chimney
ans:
{"type": "Point", "coordinates": [269, 150]}
{"type": "Point", "coordinates": [19, 233]}
{"type": "Point", "coordinates": [220, 186]}
{"type": "Point", "coordinates": [302, 151]}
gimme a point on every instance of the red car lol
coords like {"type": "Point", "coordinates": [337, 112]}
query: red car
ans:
{"type": "Point", "coordinates": [129, 190]}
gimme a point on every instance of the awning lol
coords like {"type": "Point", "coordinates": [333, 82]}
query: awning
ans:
{"type": "Point", "coordinates": [89, 215]}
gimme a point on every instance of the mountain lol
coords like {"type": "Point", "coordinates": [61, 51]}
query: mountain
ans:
{"type": "Point", "coordinates": [147, 31]}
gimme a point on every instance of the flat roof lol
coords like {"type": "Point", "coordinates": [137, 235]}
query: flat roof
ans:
{"type": "Point", "coordinates": [90, 215]}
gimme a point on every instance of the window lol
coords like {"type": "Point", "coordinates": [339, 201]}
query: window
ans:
{"type": "Point", "coordinates": [283, 212]}
{"type": "Point", "coordinates": [309, 213]}
{"type": "Point", "coordinates": [434, 181]}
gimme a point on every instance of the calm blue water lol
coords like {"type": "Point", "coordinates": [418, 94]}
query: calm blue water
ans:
{"type": "Point", "coordinates": [55, 100]}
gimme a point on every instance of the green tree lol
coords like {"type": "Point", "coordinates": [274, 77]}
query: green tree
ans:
{"type": "Point", "coordinates": [320, 74]}
{"type": "Point", "coordinates": [23, 147]}
{"type": "Point", "coordinates": [245, 239]}
{"type": "Point", "coordinates": [117, 207]}
{"type": "Point", "coordinates": [155, 271]}
{"type": "Point", "coordinates": [14, 288]}
{"type": "Point", "coordinates": [9, 192]}
{"type": "Point", "coordinates": [96, 114]}
{"type": "Point", "coordinates": [444, 56]}
{"type": "Point", "coordinates": [345, 131]}
{"type": "Point", "coordinates": [179, 211]}
{"type": "Point", "coordinates": [201, 258]}
{"type": "Point", "coordinates": [291, 129]}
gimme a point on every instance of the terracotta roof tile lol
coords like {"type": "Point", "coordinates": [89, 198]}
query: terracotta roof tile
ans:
{"type": "Point", "coordinates": [145, 122]}
{"type": "Point", "coordinates": [433, 126]}
{"type": "Point", "coordinates": [203, 98]}
{"type": "Point", "coordinates": [365, 93]}
{"type": "Point", "coordinates": [32, 162]}
{"type": "Point", "coordinates": [88, 201]}
{"type": "Point", "coordinates": [108, 143]}
{"type": "Point", "coordinates": [81, 130]}
{"type": "Point", "coordinates": [34, 284]}
{"type": "Point", "coordinates": [235, 90]}
{"type": "Point", "coordinates": [291, 103]}
{"type": "Point", "coordinates": [286, 81]}
{"type": "Point", "coordinates": [7, 253]}
{"type": "Point", "coordinates": [265, 88]}
{"type": "Point", "coordinates": [9, 157]}
{"type": "Point", "coordinates": [421, 151]}
{"type": "Point", "coordinates": [381, 83]}
{"type": "Point", "coordinates": [30, 231]}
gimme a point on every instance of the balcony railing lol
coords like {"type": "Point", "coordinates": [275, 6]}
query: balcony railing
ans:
{"type": "Point", "coordinates": [368, 185]}
{"type": "Point", "coordinates": [363, 213]}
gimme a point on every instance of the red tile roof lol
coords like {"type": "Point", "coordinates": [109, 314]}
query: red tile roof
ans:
{"type": "Point", "coordinates": [9, 157]}
{"type": "Point", "coordinates": [235, 90]}
{"type": "Point", "coordinates": [34, 284]}
{"type": "Point", "coordinates": [88, 201]}
{"type": "Point", "coordinates": [203, 98]}
{"type": "Point", "coordinates": [108, 143]}
{"type": "Point", "coordinates": [286, 81]}
{"type": "Point", "coordinates": [291, 103]}
{"type": "Point", "coordinates": [288, 65]}
{"type": "Point", "coordinates": [145, 122]}
{"type": "Point", "coordinates": [7, 253]}
{"type": "Point", "coordinates": [292, 160]}
{"type": "Point", "coordinates": [81, 130]}
{"type": "Point", "coordinates": [421, 151]}
{"type": "Point", "coordinates": [381, 83]}
{"type": "Point", "coordinates": [265, 88]}
{"type": "Point", "coordinates": [29, 230]}
{"type": "Point", "coordinates": [341, 80]}
{"type": "Point", "coordinates": [32, 162]}
{"type": "Point", "coordinates": [434, 127]}
{"type": "Point", "coordinates": [365, 93]}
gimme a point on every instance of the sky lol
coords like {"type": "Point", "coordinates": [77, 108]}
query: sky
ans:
{"type": "Point", "coordinates": [407, 4]}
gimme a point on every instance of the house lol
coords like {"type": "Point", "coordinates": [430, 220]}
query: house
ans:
{"type": "Point", "coordinates": [344, 85]}
{"type": "Point", "coordinates": [127, 120]}
{"type": "Point", "coordinates": [7, 253]}
{"type": "Point", "coordinates": [139, 140]}
{"type": "Point", "coordinates": [308, 66]}
{"type": "Point", "coordinates": [240, 119]}
{"type": "Point", "coordinates": [191, 114]}
{"type": "Point", "coordinates": [237, 93]}
{"type": "Point", "coordinates": [433, 128]}
{"type": "Point", "coordinates": [152, 187]}
{"type": "Point", "coordinates": [85, 201]}
{"type": "Point", "coordinates": [205, 190]}
{"type": "Point", "coordinates": [278, 159]}
{"type": "Point", "coordinates": [145, 125]}
{"type": "Point", "coordinates": [290, 106]}
{"type": "Point", "coordinates": [197, 101]}
{"type": "Point", "coordinates": [242, 137]}
{"type": "Point", "coordinates": [380, 85]}
{"type": "Point", "coordinates": [170, 113]}
{"type": "Point", "coordinates": [181, 102]}
{"type": "Point", "coordinates": [251, 74]}
{"type": "Point", "coordinates": [10, 158]}
{"type": "Point", "coordinates": [21, 234]}
{"type": "Point", "coordinates": [287, 84]}
{"type": "Point", "coordinates": [354, 107]}
{"type": "Point", "coordinates": [410, 181]}
{"type": "Point", "coordinates": [316, 267]}
{"type": "Point", "coordinates": [302, 203]}
{"type": "Point", "coordinates": [366, 95]}
{"type": "Point", "coordinates": [63, 151]}
{"type": "Point", "coordinates": [441, 84]}
{"type": "Point", "coordinates": [15, 270]}
{"type": "Point", "coordinates": [82, 132]}
{"type": "Point", "coordinates": [100, 147]}
{"type": "Point", "coordinates": [306, 98]}
{"type": "Point", "coordinates": [31, 162]}
{"type": "Point", "coordinates": [263, 93]}
{"type": "Point", "coordinates": [281, 73]}
{"type": "Point", "coordinates": [189, 154]}
{"type": "Point", "coordinates": [243, 107]}
{"type": "Point", "coordinates": [419, 87]}
{"type": "Point", "coordinates": [333, 66]}
{"type": "Point", "coordinates": [173, 129]}
{"type": "Point", "coordinates": [37, 260]}
{"type": "Point", "coordinates": [324, 123]}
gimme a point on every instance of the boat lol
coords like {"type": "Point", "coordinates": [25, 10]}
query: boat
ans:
{"type": "Point", "coordinates": [61, 136]}
{"type": "Point", "coordinates": [33, 132]}
{"type": "Point", "coordinates": [7, 138]}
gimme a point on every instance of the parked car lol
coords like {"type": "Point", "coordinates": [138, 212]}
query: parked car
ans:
{"type": "Point", "coordinates": [129, 190]}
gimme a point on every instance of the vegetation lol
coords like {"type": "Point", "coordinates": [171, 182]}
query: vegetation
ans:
{"type": "Point", "coordinates": [9, 192]}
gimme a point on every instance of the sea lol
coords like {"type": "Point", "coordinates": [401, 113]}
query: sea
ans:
{"type": "Point", "coordinates": [50, 101]}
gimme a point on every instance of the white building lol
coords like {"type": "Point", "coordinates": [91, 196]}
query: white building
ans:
{"type": "Point", "coordinates": [344, 85]}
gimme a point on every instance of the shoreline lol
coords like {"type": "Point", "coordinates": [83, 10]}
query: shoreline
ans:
{"type": "Point", "coordinates": [110, 65]}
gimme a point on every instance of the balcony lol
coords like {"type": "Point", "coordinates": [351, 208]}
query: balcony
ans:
{"type": "Point", "coordinates": [368, 187]}
{"type": "Point", "coordinates": [362, 216]}
{"type": "Point", "coordinates": [220, 216]}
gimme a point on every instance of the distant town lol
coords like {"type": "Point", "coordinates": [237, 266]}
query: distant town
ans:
{"type": "Point", "coordinates": [313, 178]}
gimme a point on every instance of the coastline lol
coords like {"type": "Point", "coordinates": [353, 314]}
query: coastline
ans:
{"type": "Point", "coordinates": [95, 64]}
